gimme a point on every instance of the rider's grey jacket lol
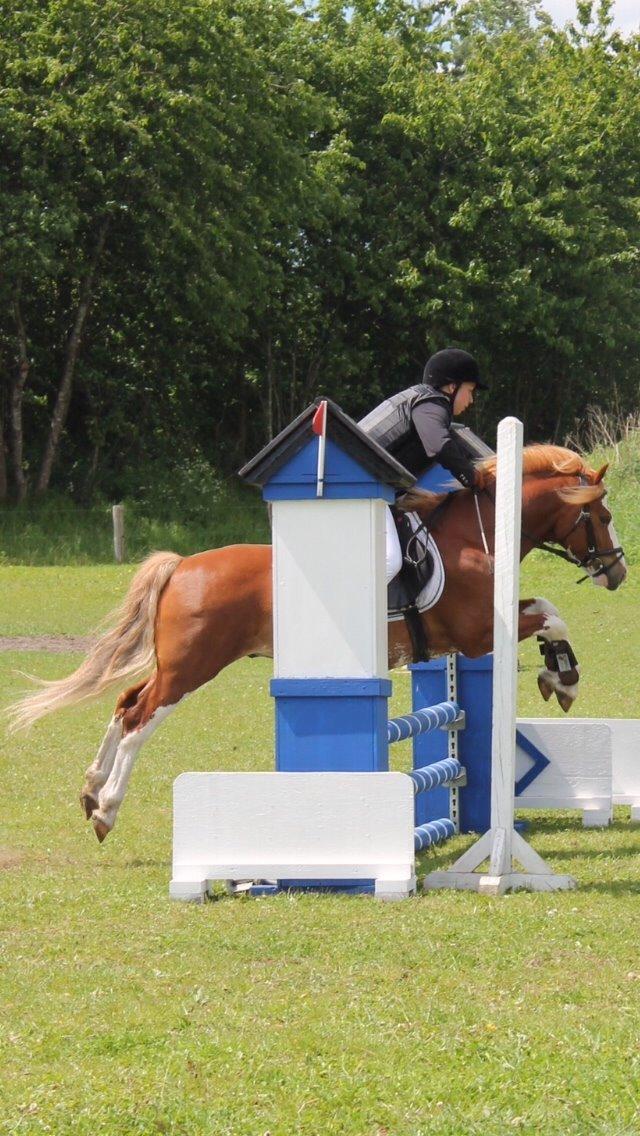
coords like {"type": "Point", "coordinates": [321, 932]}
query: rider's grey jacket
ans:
{"type": "Point", "coordinates": [415, 427]}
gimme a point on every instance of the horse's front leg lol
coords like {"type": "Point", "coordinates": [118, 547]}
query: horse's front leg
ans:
{"type": "Point", "coordinates": [561, 673]}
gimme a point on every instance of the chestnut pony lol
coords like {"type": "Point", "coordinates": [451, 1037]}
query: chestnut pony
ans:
{"type": "Point", "coordinates": [185, 618]}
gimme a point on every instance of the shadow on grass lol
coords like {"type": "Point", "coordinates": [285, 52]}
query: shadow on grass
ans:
{"type": "Point", "coordinates": [613, 888]}
{"type": "Point", "coordinates": [619, 841]}
{"type": "Point", "coordinates": [127, 864]}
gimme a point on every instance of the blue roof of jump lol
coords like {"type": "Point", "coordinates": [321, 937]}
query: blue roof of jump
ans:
{"type": "Point", "coordinates": [343, 432]}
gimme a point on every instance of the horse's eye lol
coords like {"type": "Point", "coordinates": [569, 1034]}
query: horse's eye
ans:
{"type": "Point", "coordinates": [605, 518]}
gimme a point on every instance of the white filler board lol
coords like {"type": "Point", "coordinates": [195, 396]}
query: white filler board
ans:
{"type": "Point", "coordinates": [625, 742]}
{"type": "Point", "coordinates": [299, 826]}
{"type": "Point", "coordinates": [580, 773]}
{"type": "Point", "coordinates": [594, 761]}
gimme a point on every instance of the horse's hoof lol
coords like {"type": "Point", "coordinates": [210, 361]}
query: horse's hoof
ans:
{"type": "Point", "coordinates": [545, 687]}
{"type": "Point", "coordinates": [88, 804]}
{"type": "Point", "coordinates": [100, 828]}
{"type": "Point", "coordinates": [565, 700]}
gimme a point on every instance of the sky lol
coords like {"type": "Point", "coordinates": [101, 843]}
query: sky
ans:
{"type": "Point", "coordinates": [626, 13]}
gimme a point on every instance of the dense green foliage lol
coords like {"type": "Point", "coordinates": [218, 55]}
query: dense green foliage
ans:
{"type": "Point", "coordinates": [211, 212]}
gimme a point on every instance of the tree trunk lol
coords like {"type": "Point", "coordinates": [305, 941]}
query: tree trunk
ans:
{"type": "Point", "coordinates": [65, 389]}
{"type": "Point", "coordinates": [270, 430]}
{"type": "Point", "coordinates": [4, 485]}
{"type": "Point", "coordinates": [292, 388]}
{"type": "Point", "coordinates": [311, 379]}
{"type": "Point", "coordinates": [17, 396]}
{"type": "Point", "coordinates": [242, 420]}
{"type": "Point", "coordinates": [89, 482]}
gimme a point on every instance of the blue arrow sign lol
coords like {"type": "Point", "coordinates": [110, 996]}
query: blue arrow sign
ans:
{"type": "Point", "coordinates": [540, 762]}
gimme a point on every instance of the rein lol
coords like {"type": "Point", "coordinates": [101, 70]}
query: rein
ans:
{"type": "Point", "coordinates": [593, 555]}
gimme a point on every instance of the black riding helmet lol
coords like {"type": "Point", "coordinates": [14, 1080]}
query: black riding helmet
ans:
{"type": "Point", "coordinates": [452, 365]}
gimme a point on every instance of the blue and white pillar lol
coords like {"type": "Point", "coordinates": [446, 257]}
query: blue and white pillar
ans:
{"type": "Point", "coordinates": [328, 493]}
{"type": "Point", "coordinates": [330, 682]}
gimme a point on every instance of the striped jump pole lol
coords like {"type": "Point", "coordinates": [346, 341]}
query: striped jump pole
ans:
{"type": "Point", "coordinates": [440, 773]}
{"type": "Point", "coordinates": [430, 777]}
{"type": "Point", "coordinates": [433, 832]}
{"type": "Point", "coordinates": [423, 721]}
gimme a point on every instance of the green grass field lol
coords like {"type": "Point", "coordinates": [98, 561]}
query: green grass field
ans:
{"type": "Point", "coordinates": [446, 1015]}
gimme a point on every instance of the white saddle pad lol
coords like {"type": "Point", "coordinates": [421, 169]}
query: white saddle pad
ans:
{"type": "Point", "coordinates": [432, 591]}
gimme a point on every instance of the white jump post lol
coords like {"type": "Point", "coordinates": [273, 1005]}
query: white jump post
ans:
{"type": "Point", "coordinates": [501, 844]}
{"type": "Point", "coordinates": [117, 513]}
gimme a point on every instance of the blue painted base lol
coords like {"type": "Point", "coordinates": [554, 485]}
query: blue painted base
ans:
{"type": "Point", "coordinates": [475, 696]}
{"type": "Point", "coordinates": [351, 887]}
{"type": "Point", "coordinates": [331, 725]}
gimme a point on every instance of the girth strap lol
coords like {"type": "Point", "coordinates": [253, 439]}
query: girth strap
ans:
{"type": "Point", "coordinates": [415, 627]}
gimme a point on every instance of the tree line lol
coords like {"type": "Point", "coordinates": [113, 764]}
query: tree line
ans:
{"type": "Point", "coordinates": [210, 212]}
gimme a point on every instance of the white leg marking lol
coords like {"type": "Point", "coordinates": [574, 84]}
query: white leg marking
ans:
{"type": "Point", "coordinates": [539, 606]}
{"type": "Point", "coordinates": [101, 767]}
{"type": "Point", "coordinates": [112, 794]}
{"type": "Point", "coordinates": [554, 626]}
{"type": "Point", "coordinates": [553, 679]}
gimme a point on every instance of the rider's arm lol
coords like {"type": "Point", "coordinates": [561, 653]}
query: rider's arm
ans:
{"type": "Point", "coordinates": [432, 421]}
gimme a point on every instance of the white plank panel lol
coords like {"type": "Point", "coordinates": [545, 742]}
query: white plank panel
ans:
{"type": "Point", "coordinates": [329, 591]}
{"type": "Point", "coordinates": [234, 826]}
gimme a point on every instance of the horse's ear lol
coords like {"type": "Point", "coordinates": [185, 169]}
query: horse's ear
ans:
{"type": "Point", "coordinates": [600, 474]}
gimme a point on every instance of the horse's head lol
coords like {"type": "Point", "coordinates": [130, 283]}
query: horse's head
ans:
{"type": "Point", "coordinates": [564, 503]}
{"type": "Point", "coordinates": [584, 527]}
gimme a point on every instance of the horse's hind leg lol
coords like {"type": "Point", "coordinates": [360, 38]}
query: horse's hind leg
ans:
{"type": "Point", "coordinates": [137, 724]}
{"type": "Point", "coordinates": [99, 770]}
{"type": "Point", "coordinates": [208, 616]}
{"type": "Point", "coordinates": [561, 673]}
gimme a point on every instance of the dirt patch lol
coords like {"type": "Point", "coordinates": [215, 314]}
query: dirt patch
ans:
{"type": "Point", "coordinates": [9, 859]}
{"type": "Point", "coordinates": [55, 644]}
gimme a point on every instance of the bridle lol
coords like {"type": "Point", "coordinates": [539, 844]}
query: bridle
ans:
{"type": "Point", "coordinates": [593, 555]}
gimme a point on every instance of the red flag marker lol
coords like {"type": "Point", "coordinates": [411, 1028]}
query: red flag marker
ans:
{"type": "Point", "coordinates": [319, 422]}
{"type": "Point", "coordinates": [319, 427]}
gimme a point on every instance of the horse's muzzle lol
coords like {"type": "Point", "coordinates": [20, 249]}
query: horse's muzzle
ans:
{"type": "Point", "coordinates": [611, 575]}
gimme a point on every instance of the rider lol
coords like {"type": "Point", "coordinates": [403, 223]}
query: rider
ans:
{"type": "Point", "coordinates": [415, 426]}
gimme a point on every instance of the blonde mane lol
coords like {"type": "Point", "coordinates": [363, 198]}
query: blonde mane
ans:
{"type": "Point", "coordinates": [543, 459]}
{"type": "Point", "coordinates": [536, 459]}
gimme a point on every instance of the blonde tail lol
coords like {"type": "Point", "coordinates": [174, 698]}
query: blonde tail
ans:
{"type": "Point", "coordinates": [127, 649]}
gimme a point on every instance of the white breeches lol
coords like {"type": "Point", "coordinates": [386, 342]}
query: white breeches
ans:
{"type": "Point", "coordinates": [394, 555]}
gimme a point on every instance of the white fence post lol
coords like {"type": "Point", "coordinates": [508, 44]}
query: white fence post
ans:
{"type": "Point", "coordinates": [502, 844]}
{"type": "Point", "coordinates": [117, 513]}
